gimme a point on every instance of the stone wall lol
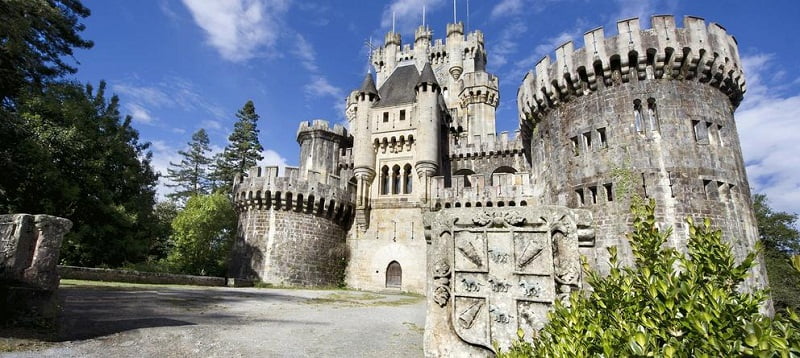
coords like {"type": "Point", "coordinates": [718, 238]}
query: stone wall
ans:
{"type": "Point", "coordinates": [113, 275]}
{"type": "Point", "coordinates": [285, 247]}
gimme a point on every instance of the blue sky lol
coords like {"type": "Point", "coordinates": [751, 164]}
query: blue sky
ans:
{"type": "Point", "coordinates": [181, 65]}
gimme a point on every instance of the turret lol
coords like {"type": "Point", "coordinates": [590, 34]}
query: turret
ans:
{"type": "Point", "coordinates": [479, 96]}
{"type": "Point", "coordinates": [388, 62]}
{"type": "Point", "coordinates": [422, 43]}
{"type": "Point", "coordinates": [363, 153]}
{"type": "Point", "coordinates": [428, 114]}
{"type": "Point", "coordinates": [455, 41]}
{"type": "Point", "coordinates": [319, 147]}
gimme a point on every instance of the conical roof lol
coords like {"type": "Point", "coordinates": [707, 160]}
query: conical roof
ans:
{"type": "Point", "coordinates": [368, 86]}
{"type": "Point", "coordinates": [427, 75]}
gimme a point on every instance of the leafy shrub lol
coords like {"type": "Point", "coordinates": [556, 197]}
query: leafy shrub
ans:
{"type": "Point", "coordinates": [668, 305]}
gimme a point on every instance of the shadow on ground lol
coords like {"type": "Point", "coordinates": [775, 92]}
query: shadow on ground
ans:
{"type": "Point", "coordinates": [92, 311]}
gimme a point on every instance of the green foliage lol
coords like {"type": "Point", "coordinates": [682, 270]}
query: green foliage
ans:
{"type": "Point", "coordinates": [73, 155]}
{"type": "Point", "coordinates": [243, 150]}
{"type": "Point", "coordinates": [781, 239]}
{"type": "Point", "coordinates": [668, 305]}
{"type": "Point", "coordinates": [161, 238]}
{"type": "Point", "coordinates": [35, 35]}
{"type": "Point", "coordinates": [202, 235]}
{"type": "Point", "coordinates": [190, 176]}
{"type": "Point", "coordinates": [776, 229]}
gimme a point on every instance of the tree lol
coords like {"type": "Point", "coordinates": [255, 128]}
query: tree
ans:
{"type": "Point", "coordinates": [668, 305]}
{"type": "Point", "coordinates": [164, 213]}
{"type": "Point", "coordinates": [781, 239]}
{"type": "Point", "coordinates": [35, 35]}
{"type": "Point", "coordinates": [190, 176]}
{"type": "Point", "coordinates": [202, 234]}
{"type": "Point", "coordinates": [74, 155]}
{"type": "Point", "coordinates": [243, 150]}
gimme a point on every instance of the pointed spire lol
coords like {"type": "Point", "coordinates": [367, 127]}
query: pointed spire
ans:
{"type": "Point", "coordinates": [368, 86]}
{"type": "Point", "coordinates": [427, 76]}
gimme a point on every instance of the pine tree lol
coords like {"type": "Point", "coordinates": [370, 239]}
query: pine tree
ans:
{"type": "Point", "coordinates": [243, 150]}
{"type": "Point", "coordinates": [190, 176]}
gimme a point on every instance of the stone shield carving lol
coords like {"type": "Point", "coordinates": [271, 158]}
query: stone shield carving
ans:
{"type": "Point", "coordinates": [508, 267]}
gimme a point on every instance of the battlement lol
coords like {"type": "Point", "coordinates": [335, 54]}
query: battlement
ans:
{"type": "Point", "coordinates": [499, 189]}
{"type": "Point", "coordinates": [489, 145]}
{"type": "Point", "coordinates": [321, 125]}
{"type": "Point", "coordinates": [262, 188]}
{"type": "Point", "coordinates": [455, 29]}
{"type": "Point", "coordinates": [697, 52]}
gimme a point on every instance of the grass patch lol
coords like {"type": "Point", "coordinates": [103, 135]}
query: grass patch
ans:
{"type": "Point", "coordinates": [354, 298]}
{"type": "Point", "coordinates": [414, 328]}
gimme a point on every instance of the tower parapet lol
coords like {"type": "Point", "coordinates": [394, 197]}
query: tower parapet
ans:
{"type": "Point", "coordinates": [321, 146]}
{"type": "Point", "coordinates": [700, 53]}
{"type": "Point", "coordinates": [482, 190]}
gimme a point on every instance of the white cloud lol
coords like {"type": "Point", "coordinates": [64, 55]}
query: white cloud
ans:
{"type": "Point", "coordinates": [172, 92]}
{"type": "Point", "coordinates": [211, 124]}
{"type": "Point", "coordinates": [239, 29]}
{"type": "Point", "coordinates": [139, 114]}
{"type": "Point", "coordinates": [407, 13]}
{"type": "Point", "coordinates": [769, 132]}
{"type": "Point", "coordinates": [507, 7]}
{"type": "Point", "coordinates": [319, 86]}
{"type": "Point", "coordinates": [305, 53]}
{"type": "Point", "coordinates": [272, 158]}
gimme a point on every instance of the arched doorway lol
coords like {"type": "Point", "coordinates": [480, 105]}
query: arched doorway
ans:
{"type": "Point", "coordinates": [394, 275]}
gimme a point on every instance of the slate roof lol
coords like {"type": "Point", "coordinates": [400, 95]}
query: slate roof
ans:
{"type": "Point", "coordinates": [399, 88]}
{"type": "Point", "coordinates": [368, 85]}
{"type": "Point", "coordinates": [427, 75]}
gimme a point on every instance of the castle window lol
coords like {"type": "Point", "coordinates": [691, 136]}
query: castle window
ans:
{"type": "Point", "coordinates": [601, 134]}
{"type": "Point", "coordinates": [579, 196]}
{"type": "Point", "coordinates": [385, 117]}
{"type": "Point", "coordinates": [593, 192]}
{"type": "Point", "coordinates": [575, 149]}
{"type": "Point", "coordinates": [637, 116]}
{"type": "Point", "coordinates": [385, 180]}
{"type": "Point", "coordinates": [402, 114]}
{"type": "Point", "coordinates": [709, 189]}
{"type": "Point", "coordinates": [719, 136]}
{"type": "Point", "coordinates": [408, 179]}
{"type": "Point", "coordinates": [609, 192]}
{"type": "Point", "coordinates": [652, 115]}
{"type": "Point", "coordinates": [700, 131]}
{"type": "Point", "coordinates": [396, 179]}
{"type": "Point", "coordinates": [587, 141]}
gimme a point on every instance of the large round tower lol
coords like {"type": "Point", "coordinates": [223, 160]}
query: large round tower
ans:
{"type": "Point", "coordinates": [647, 113]}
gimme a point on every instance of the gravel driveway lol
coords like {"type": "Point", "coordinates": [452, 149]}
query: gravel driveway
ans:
{"type": "Point", "coordinates": [129, 320]}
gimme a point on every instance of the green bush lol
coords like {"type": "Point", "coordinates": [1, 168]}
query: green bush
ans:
{"type": "Point", "coordinates": [668, 305]}
{"type": "Point", "coordinates": [202, 234]}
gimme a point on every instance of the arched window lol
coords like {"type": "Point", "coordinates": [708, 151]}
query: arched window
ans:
{"type": "Point", "coordinates": [501, 170]}
{"type": "Point", "coordinates": [396, 179]}
{"type": "Point", "coordinates": [394, 275]}
{"type": "Point", "coordinates": [637, 116]}
{"type": "Point", "coordinates": [408, 179]}
{"type": "Point", "coordinates": [652, 115]}
{"type": "Point", "coordinates": [385, 180]}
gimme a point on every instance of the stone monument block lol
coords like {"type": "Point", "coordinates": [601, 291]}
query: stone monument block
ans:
{"type": "Point", "coordinates": [493, 271]}
{"type": "Point", "coordinates": [29, 250]}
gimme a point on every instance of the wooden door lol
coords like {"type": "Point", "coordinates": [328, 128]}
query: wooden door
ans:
{"type": "Point", "coordinates": [394, 275]}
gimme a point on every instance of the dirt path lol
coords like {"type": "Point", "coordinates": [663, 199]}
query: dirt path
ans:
{"type": "Point", "coordinates": [127, 320]}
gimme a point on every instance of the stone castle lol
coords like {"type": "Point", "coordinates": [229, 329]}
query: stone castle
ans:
{"type": "Point", "coordinates": [646, 113]}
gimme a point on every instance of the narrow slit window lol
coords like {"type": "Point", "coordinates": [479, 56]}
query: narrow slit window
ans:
{"type": "Point", "coordinates": [385, 117]}
{"type": "Point", "coordinates": [719, 136]}
{"type": "Point", "coordinates": [708, 189]}
{"type": "Point", "coordinates": [609, 191]}
{"type": "Point", "coordinates": [593, 193]}
{"type": "Point", "coordinates": [601, 134]}
{"type": "Point", "coordinates": [402, 114]}
{"type": "Point", "coordinates": [575, 149]}
{"type": "Point", "coordinates": [579, 196]}
{"type": "Point", "coordinates": [587, 141]}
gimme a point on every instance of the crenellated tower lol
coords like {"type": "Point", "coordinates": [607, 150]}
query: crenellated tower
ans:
{"type": "Point", "coordinates": [647, 113]}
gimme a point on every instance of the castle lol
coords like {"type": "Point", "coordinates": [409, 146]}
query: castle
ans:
{"type": "Point", "coordinates": [646, 113]}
